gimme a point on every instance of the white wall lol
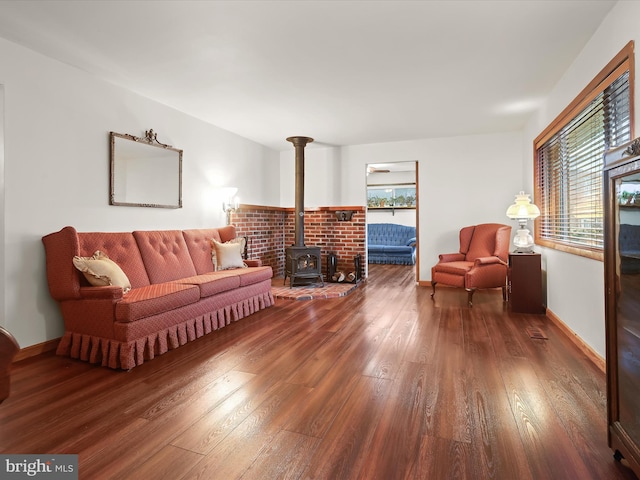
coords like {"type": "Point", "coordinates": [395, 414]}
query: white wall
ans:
{"type": "Point", "coordinates": [462, 181]}
{"type": "Point", "coordinates": [323, 181]}
{"type": "Point", "coordinates": [57, 121]}
{"type": "Point", "coordinates": [56, 124]}
{"type": "Point", "coordinates": [2, 214]}
{"type": "Point", "coordinates": [400, 217]}
{"type": "Point", "coordinates": [575, 285]}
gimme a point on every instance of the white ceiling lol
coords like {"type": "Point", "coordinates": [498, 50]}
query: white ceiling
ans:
{"type": "Point", "coordinates": [343, 72]}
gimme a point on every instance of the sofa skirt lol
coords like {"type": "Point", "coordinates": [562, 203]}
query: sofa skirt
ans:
{"type": "Point", "coordinates": [391, 259]}
{"type": "Point", "coordinates": [125, 355]}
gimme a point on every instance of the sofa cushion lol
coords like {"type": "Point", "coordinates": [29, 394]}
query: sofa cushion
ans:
{"type": "Point", "coordinates": [228, 255]}
{"type": "Point", "coordinates": [249, 276]}
{"type": "Point", "coordinates": [389, 234]}
{"type": "Point", "coordinates": [199, 244]}
{"type": "Point", "coordinates": [396, 249]}
{"type": "Point", "coordinates": [100, 271]}
{"type": "Point", "coordinates": [120, 247]}
{"type": "Point", "coordinates": [227, 233]}
{"type": "Point", "coordinates": [154, 299]}
{"type": "Point", "coordinates": [214, 282]}
{"type": "Point", "coordinates": [165, 255]}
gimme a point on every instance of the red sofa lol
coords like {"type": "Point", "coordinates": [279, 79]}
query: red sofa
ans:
{"type": "Point", "coordinates": [176, 295]}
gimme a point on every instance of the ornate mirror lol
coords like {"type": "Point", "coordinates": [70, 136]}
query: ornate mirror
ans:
{"type": "Point", "coordinates": [145, 172]}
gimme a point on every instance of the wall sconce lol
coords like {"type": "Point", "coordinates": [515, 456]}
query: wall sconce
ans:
{"type": "Point", "coordinates": [231, 204]}
{"type": "Point", "coordinates": [523, 210]}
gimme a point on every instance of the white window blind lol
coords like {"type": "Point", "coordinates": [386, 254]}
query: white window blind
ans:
{"type": "Point", "coordinates": [569, 160]}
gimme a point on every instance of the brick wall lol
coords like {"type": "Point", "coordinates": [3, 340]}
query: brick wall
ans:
{"type": "Point", "coordinates": [271, 229]}
{"type": "Point", "coordinates": [264, 226]}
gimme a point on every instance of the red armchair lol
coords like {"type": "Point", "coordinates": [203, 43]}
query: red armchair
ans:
{"type": "Point", "coordinates": [480, 263]}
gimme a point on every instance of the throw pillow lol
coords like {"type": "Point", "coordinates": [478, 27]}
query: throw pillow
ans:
{"type": "Point", "coordinates": [228, 255]}
{"type": "Point", "coordinates": [100, 271]}
{"type": "Point", "coordinates": [241, 240]}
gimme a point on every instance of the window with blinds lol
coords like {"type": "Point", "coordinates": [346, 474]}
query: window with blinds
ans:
{"type": "Point", "coordinates": [569, 158]}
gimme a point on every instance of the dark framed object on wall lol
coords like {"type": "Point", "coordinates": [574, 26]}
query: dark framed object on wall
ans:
{"type": "Point", "coordinates": [622, 301]}
{"type": "Point", "coordinates": [144, 172]}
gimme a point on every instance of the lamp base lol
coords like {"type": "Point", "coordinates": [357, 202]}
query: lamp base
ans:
{"type": "Point", "coordinates": [523, 250]}
{"type": "Point", "coordinates": [523, 241]}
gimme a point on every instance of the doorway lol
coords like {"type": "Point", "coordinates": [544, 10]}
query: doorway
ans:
{"type": "Point", "coordinates": [392, 198]}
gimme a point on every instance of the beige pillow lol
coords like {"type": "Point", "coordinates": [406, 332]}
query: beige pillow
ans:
{"type": "Point", "coordinates": [228, 255]}
{"type": "Point", "coordinates": [101, 271]}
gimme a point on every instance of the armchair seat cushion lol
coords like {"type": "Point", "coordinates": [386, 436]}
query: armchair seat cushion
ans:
{"type": "Point", "coordinates": [455, 268]}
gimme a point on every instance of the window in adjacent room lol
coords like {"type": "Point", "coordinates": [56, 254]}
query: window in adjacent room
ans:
{"type": "Point", "coordinates": [568, 160]}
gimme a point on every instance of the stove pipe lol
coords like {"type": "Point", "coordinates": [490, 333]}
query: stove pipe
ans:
{"type": "Point", "coordinates": [299, 143]}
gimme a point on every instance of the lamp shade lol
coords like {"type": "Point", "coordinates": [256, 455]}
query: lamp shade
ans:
{"type": "Point", "coordinates": [523, 208]}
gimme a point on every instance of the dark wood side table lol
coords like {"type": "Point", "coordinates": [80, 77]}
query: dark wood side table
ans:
{"type": "Point", "coordinates": [525, 283]}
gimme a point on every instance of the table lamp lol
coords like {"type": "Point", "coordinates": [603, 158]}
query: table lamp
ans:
{"type": "Point", "coordinates": [523, 210]}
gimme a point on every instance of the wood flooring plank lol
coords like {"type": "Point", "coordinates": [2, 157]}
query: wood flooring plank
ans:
{"type": "Point", "coordinates": [547, 445]}
{"type": "Point", "coordinates": [388, 358]}
{"type": "Point", "coordinates": [317, 414]}
{"type": "Point", "coordinates": [421, 347]}
{"type": "Point", "coordinates": [69, 409]}
{"type": "Point", "coordinates": [283, 458]}
{"type": "Point", "coordinates": [587, 374]}
{"type": "Point", "coordinates": [566, 386]}
{"type": "Point", "coordinates": [451, 419]}
{"type": "Point", "coordinates": [385, 382]}
{"type": "Point", "coordinates": [120, 447]}
{"type": "Point", "coordinates": [282, 357]}
{"type": "Point", "coordinates": [210, 429]}
{"type": "Point", "coordinates": [443, 459]}
{"type": "Point", "coordinates": [324, 358]}
{"type": "Point", "coordinates": [344, 450]}
{"type": "Point", "coordinates": [197, 396]}
{"type": "Point", "coordinates": [242, 446]}
{"type": "Point", "coordinates": [396, 441]}
{"type": "Point", "coordinates": [498, 448]}
{"type": "Point", "coordinates": [169, 463]}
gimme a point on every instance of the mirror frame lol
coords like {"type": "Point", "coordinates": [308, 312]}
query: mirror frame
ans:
{"type": "Point", "coordinates": [150, 140]}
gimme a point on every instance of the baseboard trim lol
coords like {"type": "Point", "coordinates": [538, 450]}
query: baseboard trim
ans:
{"type": "Point", "coordinates": [37, 349]}
{"type": "Point", "coordinates": [591, 354]}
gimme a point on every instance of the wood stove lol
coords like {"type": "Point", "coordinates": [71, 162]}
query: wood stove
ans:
{"type": "Point", "coordinates": [301, 262]}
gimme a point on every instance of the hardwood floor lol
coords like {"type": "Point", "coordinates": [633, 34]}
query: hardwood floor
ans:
{"type": "Point", "coordinates": [384, 383]}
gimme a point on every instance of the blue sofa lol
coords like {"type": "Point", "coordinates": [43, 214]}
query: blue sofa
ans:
{"type": "Point", "coordinates": [391, 243]}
